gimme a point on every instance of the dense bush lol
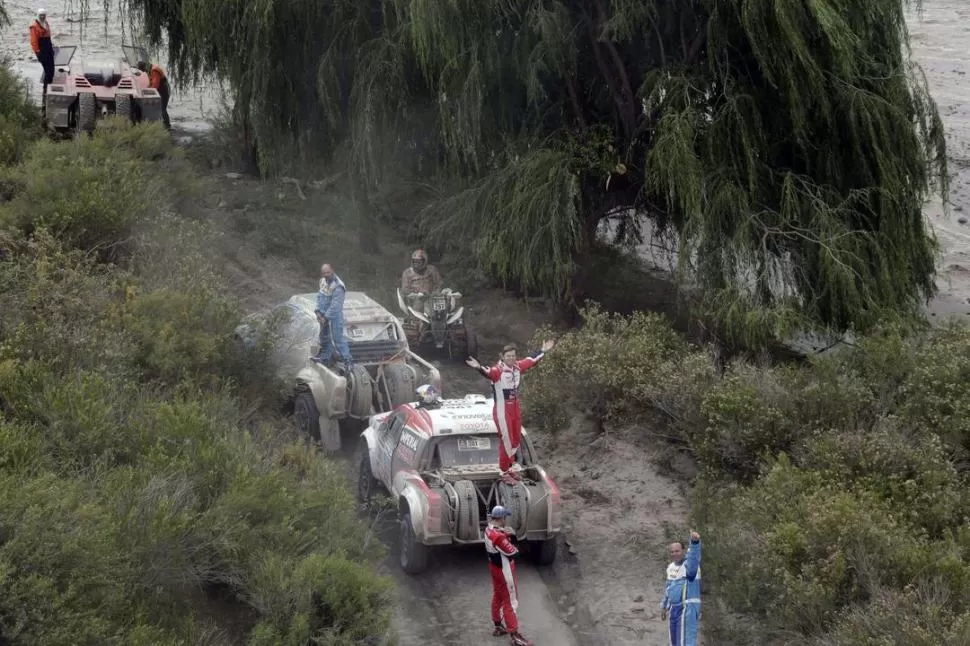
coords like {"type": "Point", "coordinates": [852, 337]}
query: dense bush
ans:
{"type": "Point", "coordinates": [89, 192]}
{"type": "Point", "coordinates": [141, 499]}
{"type": "Point", "coordinates": [833, 494]}
{"type": "Point", "coordinates": [19, 119]}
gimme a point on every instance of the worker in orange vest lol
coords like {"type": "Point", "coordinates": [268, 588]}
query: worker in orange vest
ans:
{"type": "Point", "coordinates": [40, 42]}
{"type": "Point", "coordinates": [158, 81]}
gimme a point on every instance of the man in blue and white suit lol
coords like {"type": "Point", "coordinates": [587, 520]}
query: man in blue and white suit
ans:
{"type": "Point", "coordinates": [682, 592]}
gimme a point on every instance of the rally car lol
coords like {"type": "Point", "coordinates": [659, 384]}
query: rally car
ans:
{"type": "Point", "coordinates": [384, 374]}
{"type": "Point", "coordinates": [440, 466]}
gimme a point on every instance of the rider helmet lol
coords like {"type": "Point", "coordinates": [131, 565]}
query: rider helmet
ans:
{"type": "Point", "coordinates": [419, 261]}
{"type": "Point", "coordinates": [427, 395]}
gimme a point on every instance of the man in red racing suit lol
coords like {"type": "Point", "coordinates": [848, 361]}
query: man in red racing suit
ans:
{"type": "Point", "coordinates": [505, 377]}
{"type": "Point", "coordinates": [502, 553]}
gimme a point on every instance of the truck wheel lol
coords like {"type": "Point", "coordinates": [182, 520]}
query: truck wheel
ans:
{"type": "Point", "coordinates": [306, 415]}
{"type": "Point", "coordinates": [399, 381]}
{"type": "Point", "coordinates": [366, 482]}
{"type": "Point", "coordinates": [468, 510]}
{"type": "Point", "coordinates": [124, 107]}
{"type": "Point", "coordinates": [360, 392]}
{"type": "Point", "coordinates": [87, 112]}
{"type": "Point", "coordinates": [413, 556]}
{"type": "Point", "coordinates": [545, 552]}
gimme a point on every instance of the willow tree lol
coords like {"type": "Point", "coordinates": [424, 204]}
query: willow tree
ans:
{"type": "Point", "coordinates": [786, 146]}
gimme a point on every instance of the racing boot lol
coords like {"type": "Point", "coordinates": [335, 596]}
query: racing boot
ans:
{"type": "Point", "coordinates": [500, 630]}
{"type": "Point", "coordinates": [518, 640]}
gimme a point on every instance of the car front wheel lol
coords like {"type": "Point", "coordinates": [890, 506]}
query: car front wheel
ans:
{"type": "Point", "coordinates": [413, 556]}
{"type": "Point", "coordinates": [366, 483]}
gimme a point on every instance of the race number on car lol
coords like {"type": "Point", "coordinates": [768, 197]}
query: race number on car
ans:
{"type": "Point", "coordinates": [474, 444]}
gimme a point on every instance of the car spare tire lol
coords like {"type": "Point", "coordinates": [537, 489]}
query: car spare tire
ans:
{"type": "Point", "coordinates": [360, 392]}
{"type": "Point", "coordinates": [515, 499]}
{"type": "Point", "coordinates": [468, 511]}
{"type": "Point", "coordinates": [399, 385]}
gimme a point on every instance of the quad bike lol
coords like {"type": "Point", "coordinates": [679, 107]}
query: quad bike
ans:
{"type": "Point", "coordinates": [85, 91]}
{"type": "Point", "coordinates": [437, 319]}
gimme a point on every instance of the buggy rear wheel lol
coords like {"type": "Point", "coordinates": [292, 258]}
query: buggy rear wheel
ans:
{"type": "Point", "coordinates": [87, 112]}
{"type": "Point", "coordinates": [307, 416]}
{"type": "Point", "coordinates": [124, 107]}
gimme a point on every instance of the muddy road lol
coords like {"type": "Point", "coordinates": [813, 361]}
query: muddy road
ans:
{"type": "Point", "coordinates": [618, 512]}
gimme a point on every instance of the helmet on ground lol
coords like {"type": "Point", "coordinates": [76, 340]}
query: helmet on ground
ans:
{"type": "Point", "coordinates": [419, 260]}
{"type": "Point", "coordinates": [498, 511]}
{"type": "Point", "coordinates": [427, 394]}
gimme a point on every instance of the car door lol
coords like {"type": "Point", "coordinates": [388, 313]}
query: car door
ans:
{"type": "Point", "coordinates": [389, 436]}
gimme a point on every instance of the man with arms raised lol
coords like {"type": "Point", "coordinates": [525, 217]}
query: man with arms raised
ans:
{"type": "Point", "coordinates": [506, 375]}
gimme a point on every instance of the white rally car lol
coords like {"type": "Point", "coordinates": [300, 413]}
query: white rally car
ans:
{"type": "Point", "coordinates": [440, 465]}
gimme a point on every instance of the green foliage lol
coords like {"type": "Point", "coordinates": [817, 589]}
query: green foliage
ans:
{"type": "Point", "coordinates": [631, 365]}
{"type": "Point", "coordinates": [89, 192]}
{"type": "Point", "coordinates": [786, 146]}
{"type": "Point", "coordinates": [144, 499]}
{"type": "Point", "coordinates": [19, 119]}
{"type": "Point", "coordinates": [832, 495]}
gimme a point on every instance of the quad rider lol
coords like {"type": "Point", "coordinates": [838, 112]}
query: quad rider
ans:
{"type": "Point", "coordinates": [330, 315]}
{"type": "Point", "coordinates": [420, 278]}
{"type": "Point", "coordinates": [506, 376]}
{"type": "Point", "coordinates": [40, 42]}
{"type": "Point", "coordinates": [502, 552]}
{"type": "Point", "coordinates": [158, 81]}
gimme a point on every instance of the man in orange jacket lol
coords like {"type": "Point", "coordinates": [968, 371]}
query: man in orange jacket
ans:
{"type": "Point", "coordinates": [158, 81]}
{"type": "Point", "coordinates": [40, 42]}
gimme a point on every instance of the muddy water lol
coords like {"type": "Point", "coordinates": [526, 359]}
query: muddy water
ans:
{"type": "Point", "coordinates": [99, 36]}
{"type": "Point", "coordinates": [940, 45]}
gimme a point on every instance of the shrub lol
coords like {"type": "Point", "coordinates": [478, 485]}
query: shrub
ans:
{"type": "Point", "coordinates": [89, 192]}
{"type": "Point", "coordinates": [135, 483]}
{"type": "Point", "coordinates": [616, 368]}
{"type": "Point", "coordinates": [833, 494]}
{"type": "Point", "coordinates": [19, 119]}
{"type": "Point", "coordinates": [798, 546]}
{"type": "Point", "coordinates": [935, 395]}
{"type": "Point", "coordinates": [916, 616]}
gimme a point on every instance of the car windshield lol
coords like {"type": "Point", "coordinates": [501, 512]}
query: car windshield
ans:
{"type": "Point", "coordinates": [465, 450]}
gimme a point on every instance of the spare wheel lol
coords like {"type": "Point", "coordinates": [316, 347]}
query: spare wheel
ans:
{"type": "Point", "coordinates": [468, 511]}
{"type": "Point", "coordinates": [515, 498]}
{"type": "Point", "coordinates": [360, 392]}
{"type": "Point", "coordinates": [400, 382]}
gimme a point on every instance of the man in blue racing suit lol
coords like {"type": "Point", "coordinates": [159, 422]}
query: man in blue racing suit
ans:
{"type": "Point", "coordinates": [330, 314]}
{"type": "Point", "coordinates": [682, 592]}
